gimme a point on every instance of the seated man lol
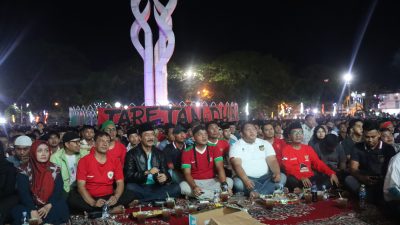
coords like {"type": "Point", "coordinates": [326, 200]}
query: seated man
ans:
{"type": "Point", "coordinates": [146, 172]}
{"type": "Point", "coordinates": [8, 195]}
{"type": "Point", "coordinates": [22, 145]}
{"type": "Point", "coordinates": [391, 186]}
{"type": "Point", "coordinates": [199, 162]}
{"type": "Point", "coordinates": [299, 160]}
{"type": "Point", "coordinates": [133, 137]}
{"type": "Point", "coordinates": [173, 153]}
{"type": "Point", "coordinates": [255, 164]}
{"type": "Point", "coordinates": [368, 163]}
{"type": "Point", "coordinates": [67, 159]}
{"type": "Point", "coordinates": [97, 174]}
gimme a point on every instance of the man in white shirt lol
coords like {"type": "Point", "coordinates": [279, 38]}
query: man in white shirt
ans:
{"type": "Point", "coordinates": [308, 128]}
{"type": "Point", "coordinates": [391, 186]}
{"type": "Point", "coordinates": [255, 164]}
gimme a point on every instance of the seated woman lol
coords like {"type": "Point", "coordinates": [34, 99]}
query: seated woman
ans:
{"type": "Point", "coordinates": [40, 186]}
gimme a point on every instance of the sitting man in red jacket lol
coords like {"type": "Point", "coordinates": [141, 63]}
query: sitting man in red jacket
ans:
{"type": "Point", "coordinates": [300, 160]}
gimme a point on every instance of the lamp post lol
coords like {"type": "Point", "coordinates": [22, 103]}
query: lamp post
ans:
{"type": "Point", "coordinates": [348, 77]}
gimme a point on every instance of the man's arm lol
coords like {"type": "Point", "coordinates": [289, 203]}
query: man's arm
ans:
{"type": "Point", "coordinates": [84, 193]}
{"type": "Point", "coordinates": [189, 179]}
{"type": "Point", "coordinates": [237, 166]}
{"type": "Point", "coordinates": [117, 192]}
{"type": "Point", "coordinates": [274, 166]}
{"type": "Point", "coordinates": [219, 165]}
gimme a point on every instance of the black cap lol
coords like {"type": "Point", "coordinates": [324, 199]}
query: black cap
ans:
{"type": "Point", "coordinates": [69, 136]}
{"type": "Point", "coordinates": [178, 129]}
{"type": "Point", "coordinates": [145, 127]}
{"type": "Point", "coordinates": [133, 130]}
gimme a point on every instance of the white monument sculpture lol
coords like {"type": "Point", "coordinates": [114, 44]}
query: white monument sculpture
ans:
{"type": "Point", "coordinates": [155, 58]}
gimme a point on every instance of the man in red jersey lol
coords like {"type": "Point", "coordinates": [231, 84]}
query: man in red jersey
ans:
{"type": "Point", "coordinates": [96, 175]}
{"type": "Point", "coordinates": [277, 144]}
{"type": "Point", "coordinates": [300, 160]}
{"type": "Point", "coordinates": [116, 149]}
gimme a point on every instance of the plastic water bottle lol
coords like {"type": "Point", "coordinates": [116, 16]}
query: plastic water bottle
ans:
{"type": "Point", "coordinates": [314, 192]}
{"type": "Point", "coordinates": [362, 196]}
{"type": "Point", "coordinates": [216, 196]}
{"type": "Point", "coordinates": [24, 220]}
{"type": "Point", "coordinates": [104, 213]}
{"type": "Point", "coordinates": [325, 193]}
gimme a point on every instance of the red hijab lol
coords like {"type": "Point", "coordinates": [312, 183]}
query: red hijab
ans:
{"type": "Point", "coordinates": [41, 175]}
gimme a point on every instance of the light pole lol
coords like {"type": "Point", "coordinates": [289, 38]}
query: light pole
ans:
{"type": "Point", "coordinates": [348, 77]}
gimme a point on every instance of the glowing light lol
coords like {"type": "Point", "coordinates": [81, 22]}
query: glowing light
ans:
{"type": "Point", "coordinates": [3, 120]}
{"type": "Point", "coordinates": [301, 108]}
{"type": "Point", "coordinates": [334, 109]}
{"type": "Point", "coordinates": [13, 118]}
{"type": "Point", "coordinates": [197, 104]}
{"type": "Point", "coordinates": [348, 77]}
{"type": "Point", "coordinates": [363, 94]}
{"type": "Point", "coordinates": [315, 110]}
{"type": "Point", "coordinates": [189, 73]}
{"type": "Point", "coordinates": [31, 117]}
{"type": "Point", "coordinates": [117, 104]}
{"type": "Point", "coordinates": [27, 105]}
{"type": "Point", "coordinates": [56, 104]}
{"type": "Point", "coordinates": [125, 106]}
{"type": "Point", "coordinates": [247, 109]}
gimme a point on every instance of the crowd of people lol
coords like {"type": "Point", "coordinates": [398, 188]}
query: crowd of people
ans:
{"type": "Point", "coordinates": [49, 173]}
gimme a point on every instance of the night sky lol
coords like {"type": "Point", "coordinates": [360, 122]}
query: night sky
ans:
{"type": "Point", "coordinates": [298, 32]}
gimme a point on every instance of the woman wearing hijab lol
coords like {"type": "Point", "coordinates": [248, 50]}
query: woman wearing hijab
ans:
{"type": "Point", "coordinates": [317, 138]}
{"type": "Point", "coordinates": [40, 186]}
{"type": "Point", "coordinates": [8, 197]}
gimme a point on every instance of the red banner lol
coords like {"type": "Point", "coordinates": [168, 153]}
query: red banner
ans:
{"type": "Point", "coordinates": [167, 114]}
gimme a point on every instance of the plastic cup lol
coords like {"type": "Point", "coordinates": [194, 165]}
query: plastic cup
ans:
{"type": "Point", "coordinates": [192, 208]}
{"type": "Point", "coordinates": [178, 211]}
{"type": "Point", "coordinates": [224, 196]}
{"type": "Point", "coordinates": [269, 203]}
{"type": "Point", "coordinates": [342, 203]}
{"type": "Point", "coordinates": [308, 198]}
{"type": "Point", "coordinates": [320, 195]}
{"type": "Point", "coordinates": [170, 203]}
{"type": "Point", "coordinates": [34, 221]}
{"type": "Point", "coordinates": [166, 214]}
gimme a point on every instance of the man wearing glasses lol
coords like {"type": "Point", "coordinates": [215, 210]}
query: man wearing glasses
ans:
{"type": "Point", "coordinates": [300, 160]}
{"type": "Point", "coordinates": [67, 159]}
{"type": "Point", "coordinates": [22, 145]}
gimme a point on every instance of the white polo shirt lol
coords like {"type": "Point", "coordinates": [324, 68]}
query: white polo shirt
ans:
{"type": "Point", "coordinates": [253, 156]}
{"type": "Point", "coordinates": [392, 179]}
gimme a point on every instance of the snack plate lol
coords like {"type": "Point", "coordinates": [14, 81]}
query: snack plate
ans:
{"type": "Point", "coordinates": [151, 213]}
{"type": "Point", "coordinates": [287, 199]}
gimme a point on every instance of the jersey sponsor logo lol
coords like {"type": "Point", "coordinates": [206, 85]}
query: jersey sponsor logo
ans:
{"type": "Point", "coordinates": [261, 147]}
{"type": "Point", "coordinates": [89, 176]}
{"type": "Point", "coordinates": [295, 158]}
{"type": "Point", "coordinates": [303, 168]}
{"type": "Point", "coordinates": [307, 158]}
{"type": "Point", "coordinates": [284, 158]}
{"type": "Point", "coordinates": [110, 174]}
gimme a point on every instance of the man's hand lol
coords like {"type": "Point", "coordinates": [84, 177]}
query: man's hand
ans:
{"type": "Point", "coordinates": [306, 182]}
{"type": "Point", "coordinates": [112, 200]}
{"type": "Point", "coordinates": [249, 184]}
{"type": "Point", "coordinates": [161, 178]}
{"type": "Point", "coordinates": [197, 191]}
{"type": "Point", "coordinates": [369, 180]}
{"type": "Point", "coordinates": [276, 177]}
{"type": "Point", "coordinates": [44, 210]}
{"type": "Point", "coordinates": [154, 170]}
{"type": "Point", "coordinates": [99, 202]}
{"type": "Point", "coordinates": [334, 180]}
{"type": "Point", "coordinates": [35, 215]}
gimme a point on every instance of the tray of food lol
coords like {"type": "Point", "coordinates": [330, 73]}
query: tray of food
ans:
{"type": "Point", "coordinates": [147, 214]}
{"type": "Point", "coordinates": [282, 199]}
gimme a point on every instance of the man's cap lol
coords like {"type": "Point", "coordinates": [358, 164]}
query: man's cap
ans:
{"type": "Point", "coordinates": [178, 129]}
{"type": "Point", "coordinates": [145, 127]}
{"type": "Point", "coordinates": [70, 136]}
{"type": "Point", "coordinates": [106, 124]}
{"type": "Point", "coordinates": [386, 124]}
{"type": "Point", "coordinates": [23, 141]}
{"type": "Point", "coordinates": [133, 130]}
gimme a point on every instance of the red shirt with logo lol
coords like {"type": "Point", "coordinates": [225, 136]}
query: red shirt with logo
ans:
{"type": "Point", "coordinates": [99, 177]}
{"type": "Point", "coordinates": [204, 168]}
{"type": "Point", "coordinates": [299, 163]}
{"type": "Point", "coordinates": [221, 145]}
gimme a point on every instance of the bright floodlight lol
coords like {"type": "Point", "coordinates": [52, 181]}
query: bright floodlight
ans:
{"type": "Point", "coordinates": [315, 110]}
{"type": "Point", "coordinates": [117, 104]}
{"type": "Point", "coordinates": [3, 120]}
{"type": "Point", "coordinates": [348, 77]}
{"type": "Point", "coordinates": [125, 106]}
{"type": "Point", "coordinates": [189, 73]}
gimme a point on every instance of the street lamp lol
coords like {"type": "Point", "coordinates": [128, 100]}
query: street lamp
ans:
{"type": "Point", "coordinates": [348, 77]}
{"type": "Point", "coordinates": [117, 104]}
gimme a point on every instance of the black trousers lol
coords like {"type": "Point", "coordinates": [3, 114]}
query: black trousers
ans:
{"type": "Point", "coordinates": [78, 205]}
{"type": "Point", "coordinates": [6, 204]}
{"type": "Point", "coordinates": [320, 179]}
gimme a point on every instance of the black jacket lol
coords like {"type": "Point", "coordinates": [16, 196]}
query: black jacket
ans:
{"type": "Point", "coordinates": [136, 165]}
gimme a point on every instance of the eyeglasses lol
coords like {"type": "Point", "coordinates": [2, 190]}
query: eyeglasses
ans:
{"type": "Point", "coordinates": [76, 142]}
{"type": "Point", "coordinates": [296, 132]}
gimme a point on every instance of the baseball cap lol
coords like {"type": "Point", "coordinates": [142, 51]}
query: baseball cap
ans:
{"type": "Point", "coordinates": [70, 136]}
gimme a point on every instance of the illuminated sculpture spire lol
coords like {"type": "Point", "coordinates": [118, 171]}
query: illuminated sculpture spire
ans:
{"type": "Point", "coordinates": [155, 58]}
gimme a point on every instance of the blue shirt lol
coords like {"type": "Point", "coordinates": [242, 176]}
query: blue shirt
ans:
{"type": "Point", "coordinates": [149, 176]}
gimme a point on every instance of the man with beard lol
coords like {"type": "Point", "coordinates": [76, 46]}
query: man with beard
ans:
{"type": "Point", "coordinates": [22, 145]}
{"type": "Point", "coordinates": [116, 149]}
{"type": "Point", "coordinates": [369, 162]}
{"type": "Point", "coordinates": [355, 136]}
{"type": "Point", "coordinates": [146, 172]}
{"type": "Point", "coordinates": [173, 153]}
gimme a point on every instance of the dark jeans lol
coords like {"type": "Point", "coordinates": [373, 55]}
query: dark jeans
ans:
{"type": "Point", "coordinates": [6, 204]}
{"type": "Point", "coordinates": [153, 192]}
{"type": "Point", "coordinates": [78, 205]}
{"type": "Point", "coordinates": [320, 179]}
{"type": "Point", "coordinates": [374, 192]}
